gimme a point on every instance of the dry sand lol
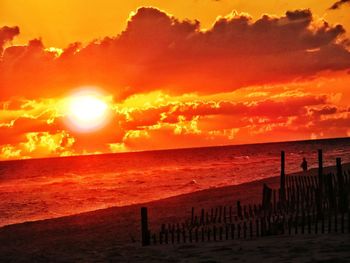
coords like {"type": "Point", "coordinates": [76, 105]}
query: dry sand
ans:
{"type": "Point", "coordinates": [113, 234]}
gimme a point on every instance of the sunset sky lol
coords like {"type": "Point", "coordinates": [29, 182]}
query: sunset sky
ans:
{"type": "Point", "coordinates": [83, 77]}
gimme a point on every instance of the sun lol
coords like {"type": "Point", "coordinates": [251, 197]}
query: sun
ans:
{"type": "Point", "coordinates": [87, 111]}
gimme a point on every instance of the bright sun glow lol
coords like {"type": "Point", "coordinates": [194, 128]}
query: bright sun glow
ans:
{"type": "Point", "coordinates": [87, 111]}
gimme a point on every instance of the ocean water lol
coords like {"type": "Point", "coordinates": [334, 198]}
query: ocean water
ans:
{"type": "Point", "coordinates": [47, 188]}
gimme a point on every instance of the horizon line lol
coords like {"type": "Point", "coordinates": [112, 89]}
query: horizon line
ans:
{"type": "Point", "coordinates": [174, 149]}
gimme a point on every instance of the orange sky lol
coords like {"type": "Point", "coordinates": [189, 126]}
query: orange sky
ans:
{"type": "Point", "coordinates": [177, 74]}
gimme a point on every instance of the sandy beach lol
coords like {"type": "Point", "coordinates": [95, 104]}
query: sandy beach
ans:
{"type": "Point", "coordinates": [113, 235]}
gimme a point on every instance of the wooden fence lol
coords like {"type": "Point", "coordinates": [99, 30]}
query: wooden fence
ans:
{"type": "Point", "coordinates": [302, 204]}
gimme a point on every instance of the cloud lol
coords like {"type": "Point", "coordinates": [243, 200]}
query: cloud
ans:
{"type": "Point", "coordinates": [338, 4]}
{"type": "Point", "coordinates": [219, 118]}
{"type": "Point", "coordinates": [157, 51]}
{"type": "Point", "coordinates": [29, 131]}
{"type": "Point", "coordinates": [7, 34]}
{"type": "Point", "coordinates": [39, 144]}
{"type": "Point", "coordinates": [160, 54]}
{"type": "Point", "coordinates": [325, 110]}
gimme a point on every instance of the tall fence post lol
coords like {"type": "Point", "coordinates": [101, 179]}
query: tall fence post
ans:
{"type": "Point", "coordinates": [283, 178]}
{"type": "Point", "coordinates": [319, 190]}
{"type": "Point", "coordinates": [343, 204]}
{"type": "Point", "coordinates": [320, 170]}
{"type": "Point", "coordinates": [144, 227]}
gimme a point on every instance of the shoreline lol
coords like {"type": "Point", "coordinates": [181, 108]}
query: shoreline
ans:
{"type": "Point", "coordinates": [250, 195]}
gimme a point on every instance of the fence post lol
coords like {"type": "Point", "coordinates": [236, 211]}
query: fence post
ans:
{"type": "Point", "coordinates": [343, 204]}
{"type": "Point", "coordinates": [266, 200]}
{"type": "Point", "coordinates": [226, 231]}
{"type": "Point", "coordinates": [154, 236]}
{"type": "Point", "coordinates": [335, 221]}
{"type": "Point", "coordinates": [282, 224]}
{"type": "Point", "coordinates": [245, 213]}
{"type": "Point", "coordinates": [233, 231]}
{"type": "Point", "coordinates": [220, 214]}
{"type": "Point", "coordinates": [320, 171]}
{"type": "Point", "coordinates": [331, 194]}
{"type": "Point", "coordinates": [255, 210]}
{"type": "Point", "coordinates": [216, 214]}
{"type": "Point", "coordinates": [316, 224]}
{"type": "Point", "coordinates": [214, 233]}
{"type": "Point", "coordinates": [322, 223]}
{"type": "Point", "coordinates": [224, 214]}
{"type": "Point", "coordinates": [145, 238]}
{"type": "Point", "coordinates": [244, 229]}
{"type": "Point", "coordinates": [190, 235]}
{"type": "Point", "coordinates": [262, 227]}
{"type": "Point", "coordinates": [202, 217]}
{"type": "Point", "coordinates": [274, 200]}
{"type": "Point", "coordinates": [283, 178]}
{"type": "Point", "coordinates": [192, 216]}
{"type": "Point", "coordinates": [178, 234]}
{"type": "Point", "coordinates": [160, 237]}
{"type": "Point", "coordinates": [290, 221]}
{"type": "Point", "coordinates": [239, 210]}
{"type": "Point", "coordinates": [166, 236]}
{"type": "Point", "coordinates": [251, 229]}
{"type": "Point", "coordinates": [184, 235]}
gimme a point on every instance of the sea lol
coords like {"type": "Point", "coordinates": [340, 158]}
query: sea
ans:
{"type": "Point", "coordinates": [36, 189]}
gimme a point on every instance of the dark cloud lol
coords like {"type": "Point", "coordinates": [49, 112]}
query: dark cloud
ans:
{"type": "Point", "coordinates": [271, 109]}
{"type": "Point", "coordinates": [338, 4]}
{"type": "Point", "coordinates": [159, 52]}
{"type": "Point", "coordinates": [7, 34]}
{"type": "Point", "coordinates": [325, 110]}
{"type": "Point", "coordinates": [299, 15]}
